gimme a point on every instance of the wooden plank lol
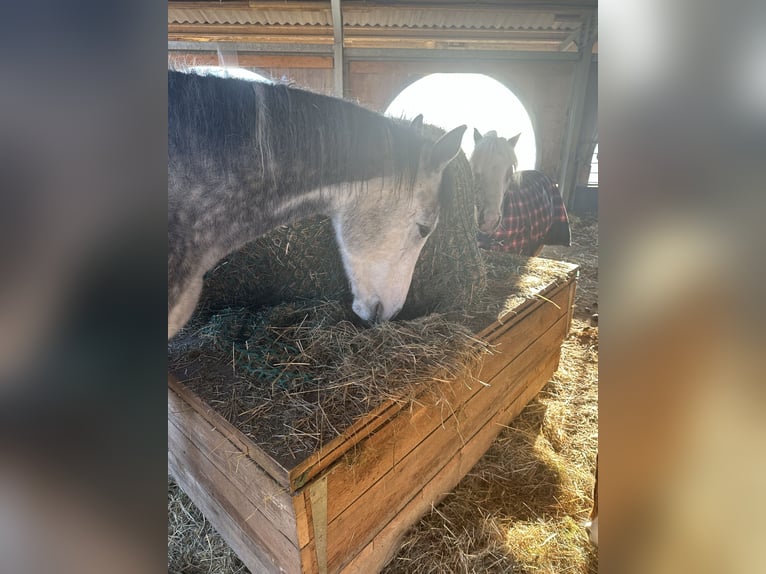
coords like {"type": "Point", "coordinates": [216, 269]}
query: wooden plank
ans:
{"type": "Point", "coordinates": [252, 60]}
{"type": "Point", "coordinates": [343, 444]}
{"type": "Point", "coordinates": [260, 546]}
{"type": "Point", "coordinates": [303, 513]}
{"type": "Point", "coordinates": [246, 34]}
{"type": "Point", "coordinates": [317, 493]}
{"type": "Point", "coordinates": [386, 543]}
{"type": "Point", "coordinates": [359, 523]}
{"type": "Point", "coordinates": [284, 61]}
{"type": "Point", "coordinates": [403, 434]}
{"type": "Point", "coordinates": [185, 59]}
{"type": "Point", "coordinates": [510, 339]}
{"type": "Point", "coordinates": [340, 445]}
{"type": "Point", "coordinates": [572, 295]}
{"type": "Point", "coordinates": [271, 498]}
{"type": "Point", "coordinates": [273, 468]}
{"type": "Point", "coordinates": [509, 319]}
{"type": "Point", "coordinates": [303, 519]}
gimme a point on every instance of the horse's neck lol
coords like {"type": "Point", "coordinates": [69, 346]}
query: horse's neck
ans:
{"type": "Point", "coordinates": [232, 194]}
{"type": "Point", "coordinates": [282, 209]}
{"type": "Point", "coordinates": [288, 209]}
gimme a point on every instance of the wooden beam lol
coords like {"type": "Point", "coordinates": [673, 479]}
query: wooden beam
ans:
{"type": "Point", "coordinates": [279, 49]}
{"type": "Point", "coordinates": [569, 40]}
{"type": "Point", "coordinates": [323, 53]}
{"type": "Point", "coordinates": [427, 55]}
{"type": "Point", "coordinates": [338, 62]}
{"type": "Point", "coordinates": [567, 168]}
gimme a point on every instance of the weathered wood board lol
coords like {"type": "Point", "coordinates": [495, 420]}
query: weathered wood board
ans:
{"type": "Point", "coordinates": [346, 507]}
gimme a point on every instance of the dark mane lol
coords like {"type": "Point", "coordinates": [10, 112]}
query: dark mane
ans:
{"type": "Point", "coordinates": [278, 135]}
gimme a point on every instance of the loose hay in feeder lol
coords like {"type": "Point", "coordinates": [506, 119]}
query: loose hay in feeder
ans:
{"type": "Point", "coordinates": [294, 376]}
{"type": "Point", "coordinates": [298, 374]}
{"type": "Point", "coordinates": [510, 279]}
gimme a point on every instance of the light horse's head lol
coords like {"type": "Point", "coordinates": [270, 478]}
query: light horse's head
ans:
{"type": "Point", "coordinates": [493, 162]}
{"type": "Point", "coordinates": [382, 229]}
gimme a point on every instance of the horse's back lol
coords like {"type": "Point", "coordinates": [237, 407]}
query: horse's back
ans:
{"type": "Point", "coordinates": [533, 214]}
{"type": "Point", "coordinates": [538, 200]}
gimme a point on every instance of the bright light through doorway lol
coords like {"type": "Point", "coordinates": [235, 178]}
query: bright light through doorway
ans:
{"type": "Point", "coordinates": [449, 100]}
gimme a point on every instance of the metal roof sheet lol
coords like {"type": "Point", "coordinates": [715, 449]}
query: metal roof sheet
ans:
{"type": "Point", "coordinates": [360, 16]}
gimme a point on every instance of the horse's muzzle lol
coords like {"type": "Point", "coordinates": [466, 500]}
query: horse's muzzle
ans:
{"type": "Point", "coordinates": [373, 314]}
{"type": "Point", "coordinates": [488, 226]}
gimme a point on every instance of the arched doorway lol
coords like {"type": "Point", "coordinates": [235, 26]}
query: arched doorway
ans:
{"type": "Point", "coordinates": [481, 102]}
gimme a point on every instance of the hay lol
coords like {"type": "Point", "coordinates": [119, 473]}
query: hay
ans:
{"type": "Point", "coordinates": [510, 279]}
{"type": "Point", "coordinates": [194, 547]}
{"type": "Point", "coordinates": [294, 376]}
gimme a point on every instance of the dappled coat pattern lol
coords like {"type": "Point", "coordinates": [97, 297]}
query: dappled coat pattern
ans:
{"type": "Point", "coordinates": [533, 215]}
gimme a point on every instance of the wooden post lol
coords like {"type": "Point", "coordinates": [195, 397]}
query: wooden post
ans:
{"type": "Point", "coordinates": [567, 170]}
{"type": "Point", "coordinates": [337, 29]}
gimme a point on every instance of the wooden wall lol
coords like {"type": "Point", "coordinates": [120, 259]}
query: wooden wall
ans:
{"type": "Point", "coordinates": [543, 86]}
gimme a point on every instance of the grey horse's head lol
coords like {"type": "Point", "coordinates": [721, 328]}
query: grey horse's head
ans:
{"type": "Point", "coordinates": [382, 231]}
{"type": "Point", "coordinates": [493, 162]}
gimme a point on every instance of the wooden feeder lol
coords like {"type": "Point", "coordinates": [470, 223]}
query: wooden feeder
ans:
{"type": "Point", "coordinates": [345, 507]}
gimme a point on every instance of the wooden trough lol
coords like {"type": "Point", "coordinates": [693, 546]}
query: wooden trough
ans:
{"type": "Point", "coordinates": [346, 507]}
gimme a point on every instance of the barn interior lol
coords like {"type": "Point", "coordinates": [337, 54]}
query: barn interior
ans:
{"type": "Point", "coordinates": [546, 54]}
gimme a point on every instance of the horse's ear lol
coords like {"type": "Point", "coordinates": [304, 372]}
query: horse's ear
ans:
{"type": "Point", "coordinates": [445, 150]}
{"type": "Point", "coordinates": [476, 136]}
{"type": "Point", "coordinates": [417, 123]}
{"type": "Point", "coordinates": [514, 139]}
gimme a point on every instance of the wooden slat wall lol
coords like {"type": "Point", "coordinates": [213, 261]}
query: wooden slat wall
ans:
{"type": "Point", "coordinates": [241, 524]}
{"type": "Point", "coordinates": [270, 497]}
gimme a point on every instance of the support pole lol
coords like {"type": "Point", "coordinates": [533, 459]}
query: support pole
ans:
{"type": "Point", "coordinates": [337, 30]}
{"type": "Point", "coordinates": [568, 167]}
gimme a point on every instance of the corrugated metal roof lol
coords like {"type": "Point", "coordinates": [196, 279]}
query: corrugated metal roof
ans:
{"type": "Point", "coordinates": [478, 18]}
{"type": "Point", "coordinates": [226, 15]}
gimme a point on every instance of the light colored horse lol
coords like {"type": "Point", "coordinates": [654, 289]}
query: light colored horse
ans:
{"type": "Point", "coordinates": [245, 157]}
{"type": "Point", "coordinates": [517, 211]}
{"type": "Point", "coordinates": [493, 162]}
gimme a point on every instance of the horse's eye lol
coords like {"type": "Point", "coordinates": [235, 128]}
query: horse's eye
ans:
{"type": "Point", "coordinates": [424, 230]}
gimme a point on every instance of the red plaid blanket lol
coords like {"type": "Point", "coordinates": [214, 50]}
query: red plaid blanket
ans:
{"type": "Point", "coordinates": [533, 215]}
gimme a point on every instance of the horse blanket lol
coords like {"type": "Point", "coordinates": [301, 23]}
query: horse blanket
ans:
{"type": "Point", "coordinates": [533, 215]}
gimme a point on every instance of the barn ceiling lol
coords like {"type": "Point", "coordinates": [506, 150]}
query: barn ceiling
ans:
{"type": "Point", "coordinates": [414, 24]}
